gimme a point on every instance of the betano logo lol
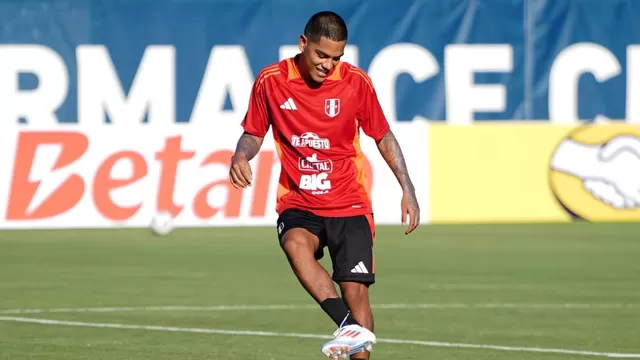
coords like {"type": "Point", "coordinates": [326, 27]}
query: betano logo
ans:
{"type": "Point", "coordinates": [45, 189]}
{"type": "Point", "coordinates": [595, 172]}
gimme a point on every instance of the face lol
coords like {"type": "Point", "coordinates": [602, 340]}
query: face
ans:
{"type": "Point", "coordinates": [319, 57]}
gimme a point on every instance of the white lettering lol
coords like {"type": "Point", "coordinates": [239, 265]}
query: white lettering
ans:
{"type": "Point", "coordinates": [463, 96]}
{"type": "Point", "coordinates": [310, 140]}
{"type": "Point", "coordinates": [313, 164]}
{"type": "Point", "coordinates": [350, 53]}
{"type": "Point", "coordinates": [36, 106]}
{"type": "Point", "coordinates": [227, 70]}
{"type": "Point", "coordinates": [100, 90]}
{"type": "Point", "coordinates": [152, 93]}
{"type": "Point", "coordinates": [633, 84]}
{"type": "Point", "coordinates": [315, 182]}
{"type": "Point", "coordinates": [394, 60]}
{"type": "Point", "coordinates": [568, 67]}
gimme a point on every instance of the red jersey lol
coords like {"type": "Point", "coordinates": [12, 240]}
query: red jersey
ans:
{"type": "Point", "coordinates": [317, 136]}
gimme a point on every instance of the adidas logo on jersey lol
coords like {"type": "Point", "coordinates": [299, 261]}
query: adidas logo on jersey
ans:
{"type": "Point", "coordinates": [289, 105]}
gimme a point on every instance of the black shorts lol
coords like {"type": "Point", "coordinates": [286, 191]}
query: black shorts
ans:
{"type": "Point", "coordinates": [349, 241]}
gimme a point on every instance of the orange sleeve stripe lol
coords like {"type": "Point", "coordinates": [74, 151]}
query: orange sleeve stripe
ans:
{"type": "Point", "coordinates": [267, 70]}
{"type": "Point", "coordinates": [265, 74]}
{"type": "Point", "coordinates": [364, 76]}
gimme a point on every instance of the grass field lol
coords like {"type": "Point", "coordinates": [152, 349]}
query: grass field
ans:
{"type": "Point", "coordinates": [446, 292]}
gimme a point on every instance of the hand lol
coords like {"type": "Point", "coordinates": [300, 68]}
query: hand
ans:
{"type": "Point", "coordinates": [410, 207]}
{"type": "Point", "coordinates": [240, 172]}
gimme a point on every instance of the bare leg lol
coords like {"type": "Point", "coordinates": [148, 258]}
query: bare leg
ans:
{"type": "Point", "coordinates": [356, 295]}
{"type": "Point", "coordinates": [300, 245]}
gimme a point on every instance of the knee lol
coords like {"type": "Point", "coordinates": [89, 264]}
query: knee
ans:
{"type": "Point", "coordinates": [296, 241]}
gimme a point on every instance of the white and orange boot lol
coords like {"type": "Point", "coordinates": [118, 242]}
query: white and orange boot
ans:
{"type": "Point", "coordinates": [349, 340]}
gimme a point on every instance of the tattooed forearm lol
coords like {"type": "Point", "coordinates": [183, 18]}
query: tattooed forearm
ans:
{"type": "Point", "coordinates": [248, 145]}
{"type": "Point", "coordinates": [392, 154]}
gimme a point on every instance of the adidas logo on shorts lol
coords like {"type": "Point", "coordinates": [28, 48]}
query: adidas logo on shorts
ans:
{"type": "Point", "coordinates": [360, 269]}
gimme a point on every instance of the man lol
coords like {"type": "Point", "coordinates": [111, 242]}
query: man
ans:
{"type": "Point", "coordinates": [316, 106]}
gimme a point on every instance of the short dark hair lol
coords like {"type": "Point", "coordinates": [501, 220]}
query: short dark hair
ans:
{"type": "Point", "coordinates": [327, 24]}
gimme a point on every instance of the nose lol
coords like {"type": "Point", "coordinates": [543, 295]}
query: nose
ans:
{"type": "Point", "coordinates": [327, 65]}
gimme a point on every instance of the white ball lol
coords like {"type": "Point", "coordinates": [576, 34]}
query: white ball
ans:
{"type": "Point", "coordinates": [162, 223]}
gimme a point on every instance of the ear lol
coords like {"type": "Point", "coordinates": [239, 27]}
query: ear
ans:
{"type": "Point", "coordinates": [302, 43]}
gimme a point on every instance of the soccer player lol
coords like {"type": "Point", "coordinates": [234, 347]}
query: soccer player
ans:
{"type": "Point", "coordinates": [316, 106]}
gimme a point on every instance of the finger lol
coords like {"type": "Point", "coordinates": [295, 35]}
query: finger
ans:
{"type": "Point", "coordinates": [414, 215]}
{"type": "Point", "coordinates": [403, 208]}
{"type": "Point", "coordinates": [416, 220]}
{"type": "Point", "coordinates": [236, 181]}
{"type": "Point", "coordinates": [237, 170]}
{"type": "Point", "coordinates": [245, 170]}
{"type": "Point", "coordinates": [410, 226]}
{"type": "Point", "coordinates": [409, 223]}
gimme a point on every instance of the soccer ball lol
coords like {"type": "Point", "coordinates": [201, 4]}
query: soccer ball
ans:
{"type": "Point", "coordinates": [162, 223]}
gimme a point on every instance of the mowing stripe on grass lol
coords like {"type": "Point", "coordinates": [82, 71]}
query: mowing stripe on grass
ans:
{"type": "Point", "coordinates": [549, 306]}
{"type": "Point", "coordinates": [315, 336]}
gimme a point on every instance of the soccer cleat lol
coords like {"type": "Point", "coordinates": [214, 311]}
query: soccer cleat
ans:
{"type": "Point", "coordinates": [349, 340]}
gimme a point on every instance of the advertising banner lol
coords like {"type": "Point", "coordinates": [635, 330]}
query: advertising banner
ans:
{"type": "Point", "coordinates": [109, 175]}
{"type": "Point", "coordinates": [515, 172]}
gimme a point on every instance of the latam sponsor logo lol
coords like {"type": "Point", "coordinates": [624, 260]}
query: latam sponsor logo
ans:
{"type": "Point", "coordinates": [313, 164]}
{"type": "Point", "coordinates": [310, 140]}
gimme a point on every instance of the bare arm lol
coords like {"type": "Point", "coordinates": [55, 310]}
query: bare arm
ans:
{"type": "Point", "coordinates": [248, 146]}
{"type": "Point", "coordinates": [392, 154]}
{"type": "Point", "coordinates": [240, 171]}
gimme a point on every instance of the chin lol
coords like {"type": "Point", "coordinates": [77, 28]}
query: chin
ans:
{"type": "Point", "coordinates": [316, 79]}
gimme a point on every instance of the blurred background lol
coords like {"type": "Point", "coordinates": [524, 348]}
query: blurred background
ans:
{"type": "Point", "coordinates": [519, 120]}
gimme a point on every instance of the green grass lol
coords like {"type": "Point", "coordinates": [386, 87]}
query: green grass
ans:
{"type": "Point", "coordinates": [597, 265]}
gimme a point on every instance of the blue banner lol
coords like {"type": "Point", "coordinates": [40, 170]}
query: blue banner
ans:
{"type": "Point", "coordinates": [457, 61]}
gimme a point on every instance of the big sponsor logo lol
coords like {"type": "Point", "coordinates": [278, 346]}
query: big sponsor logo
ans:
{"type": "Point", "coordinates": [318, 184]}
